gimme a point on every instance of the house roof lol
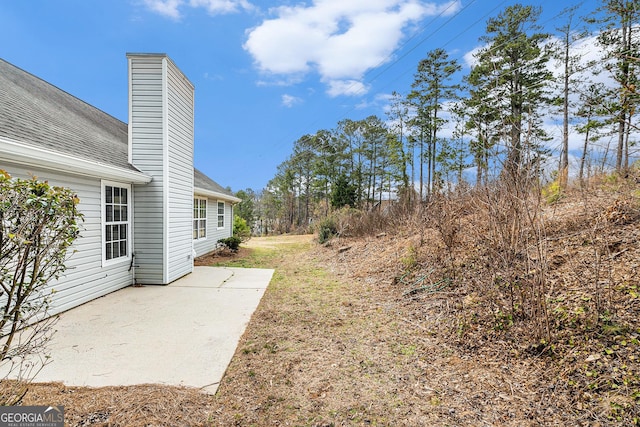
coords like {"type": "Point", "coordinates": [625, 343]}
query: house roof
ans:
{"type": "Point", "coordinates": [37, 114]}
{"type": "Point", "coordinates": [211, 188]}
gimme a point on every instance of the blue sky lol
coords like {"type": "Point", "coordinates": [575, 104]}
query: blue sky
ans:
{"type": "Point", "coordinates": [266, 72]}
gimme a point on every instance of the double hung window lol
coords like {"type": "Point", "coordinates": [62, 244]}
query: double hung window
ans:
{"type": "Point", "coordinates": [116, 200]}
{"type": "Point", "coordinates": [220, 214]}
{"type": "Point", "coordinates": [199, 219]}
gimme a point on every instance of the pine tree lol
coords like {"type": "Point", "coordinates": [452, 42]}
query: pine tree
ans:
{"type": "Point", "coordinates": [431, 88]}
{"type": "Point", "coordinates": [512, 71]}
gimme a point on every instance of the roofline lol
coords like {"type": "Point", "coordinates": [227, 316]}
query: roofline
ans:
{"type": "Point", "coordinates": [14, 151]}
{"type": "Point", "coordinates": [159, 55]}
{"type": "Point", "coordinates": [164, 55]}
{"type": "Point", "coordinates": [216, 194]}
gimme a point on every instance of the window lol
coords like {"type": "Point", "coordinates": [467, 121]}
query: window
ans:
{"type": "Point", "coordinates": [220, 214]}
{"type": "Point", "coordinates": [199, 219]}
{"type": "Point", "coordinates": [116, 221]}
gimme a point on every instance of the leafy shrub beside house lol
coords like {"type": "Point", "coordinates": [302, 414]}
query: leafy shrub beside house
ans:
{"type": "Point", "coordinates": [38, 225]}
{"type": "Point", "coordinates": [231, 243]}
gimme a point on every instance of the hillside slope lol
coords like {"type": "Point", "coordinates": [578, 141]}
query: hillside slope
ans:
{"type": "Point", "coordinates": [557, 316]}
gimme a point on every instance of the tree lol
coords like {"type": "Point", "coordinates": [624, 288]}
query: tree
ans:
{"type": "Point", "coordinates": [350, 135]}
{"type": "Point", "coordinates": [622, 48]}
{"type": "Point", "coordinates": [246, 208]}
{"type": "Point", "coordinates": [241, 229]}
{"type": "Point", "coordinates": [270, 209]}
{"type": "Point", "coordinates": [38, 224]}
{"type": "Point", "coordinates": [482, 123]}
{"type": "Point", "coordinates": [591, 108]}
{"type": "Point", "coordinates": [512, 67]}
{"type": "Point", "coordinates": [344, 193]}
{"type": "Point", "coordinates": [571, 64]}
{"type": "Point", "coordinates": [329, 163]}
{"type": "Point", "coordinates": [398, 115]}
{"type": "Point", "coordinates": [454, 153]}
{"type": "Point", "coordinates": [302, 164]}
{"type": "Point", "coordinates": [374, 132]}
{"type": "Point", "coordinates": [430, 90]}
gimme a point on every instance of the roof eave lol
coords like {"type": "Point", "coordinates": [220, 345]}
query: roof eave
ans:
{"type": "Point", "coordinates": [27, 155]}
{"type": "Point", "coordinates": [215, 194]}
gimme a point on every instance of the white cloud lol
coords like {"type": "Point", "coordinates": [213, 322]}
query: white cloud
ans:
{"type": "Point", "coordinates": [214, 77]}
{"type": "Point", "coordinates": [215, 7]}
{"type": "Point", "coordinates": [170, 8]}
{"type": "Point", "coordinates": [167, 8]}
{"type": "Point", "coordinates": [339, 39]}
{"type": "Point", "coordinates": [346, 87]}
{"type": "Point", "coordinates": [290, 100]}
{"type": "Point", "coordinates": [469, 58]}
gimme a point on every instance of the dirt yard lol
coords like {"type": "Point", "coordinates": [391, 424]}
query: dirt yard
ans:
{"type": "Point", "coordinates": [337, 341]}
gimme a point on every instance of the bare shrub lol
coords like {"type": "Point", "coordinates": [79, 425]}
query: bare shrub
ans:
{"type": "Point", "coordinates": [350, 222]}
{"type": "Point", "coordinates": [444, 213]}
{"type": "Point", "coordinates": [510, 228]}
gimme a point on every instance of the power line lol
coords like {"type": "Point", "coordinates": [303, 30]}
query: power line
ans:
{"type": "Point", "coordinates": [424, 39]}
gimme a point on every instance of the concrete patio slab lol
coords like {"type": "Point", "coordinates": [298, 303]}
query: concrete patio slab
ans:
{"type": "Point", "coordinates": [182, 334]}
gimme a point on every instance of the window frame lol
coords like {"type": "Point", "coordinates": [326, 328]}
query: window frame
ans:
{"type": "Point", "coordinates": [120, 223]}
{"type": "Point", "coordinates": [220, 215]}
{"type": "Point", "coordinates": [200, 219]}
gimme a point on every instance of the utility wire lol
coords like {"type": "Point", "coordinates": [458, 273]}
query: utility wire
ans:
{"type": "Point", "coordinates": [424, 39]}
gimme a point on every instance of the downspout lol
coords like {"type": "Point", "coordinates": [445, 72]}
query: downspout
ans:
{"type": "Point", "coordinates": [132, 268]}
{"type": "Point", "coordinates": [232, 218]}
{"type": "Point", "coordinates": [132, 265]}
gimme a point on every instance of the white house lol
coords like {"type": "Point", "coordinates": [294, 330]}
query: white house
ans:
{"type": "Point", "coordinates": [147, 210]}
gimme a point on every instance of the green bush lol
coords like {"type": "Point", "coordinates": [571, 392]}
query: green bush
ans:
{"type": "Point", "coordinates": [241, 229]}
{"type": "Point", "coordinates": [327, 229]}
{"type": "Point", "coordinates": [552, 193]}
{"type": "Point", "coordinates": [231, 243]}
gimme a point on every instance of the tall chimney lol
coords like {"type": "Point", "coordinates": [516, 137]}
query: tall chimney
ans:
{"type": "Point", "coordinates": [161, 140]}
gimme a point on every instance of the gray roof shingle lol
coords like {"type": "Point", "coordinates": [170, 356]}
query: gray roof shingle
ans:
{"type": "Point", "coordinates": [200, 180]}
{"type": "Point", "coordinates": [35, 112]}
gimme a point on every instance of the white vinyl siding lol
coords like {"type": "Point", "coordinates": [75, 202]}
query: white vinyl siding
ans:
{"type": "Point", "coordinates": [221, 213]}
{"type": "Point", "coordinates": [179, 189]}
{"type": "Point", "coordinates": [147, 154]}
{"type": "Point", "coordinates": [199, 218]}
{"type": "Point", "coordinates": [86, 278]}
{"type": "Point", "coordinates": [214, 233]}
{"type": "Point", "coordinates": [161, 139]}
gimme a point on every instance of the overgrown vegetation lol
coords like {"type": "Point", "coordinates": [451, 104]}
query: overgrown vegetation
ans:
{"type": "Point", "coordinates": [503, 270]}
{"type": "Point", "coordinates": [38, 224]}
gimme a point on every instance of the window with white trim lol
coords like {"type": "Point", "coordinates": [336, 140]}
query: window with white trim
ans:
{"type": "Point", "coordinates": [199, 218]}
{"type": "Point", "coordinates": [115, 202]}
{"type": "Point", "coordinates": [220, 214]}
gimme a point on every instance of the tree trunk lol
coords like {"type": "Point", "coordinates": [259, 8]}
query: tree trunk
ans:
{"type": "Point", "coordinates": [584, 156]}
{"type": "Point", "coordinates": [563, 175]}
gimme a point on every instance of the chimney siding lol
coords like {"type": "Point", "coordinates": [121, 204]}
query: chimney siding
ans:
{"type": "Point", "coordinates": [161, 140]}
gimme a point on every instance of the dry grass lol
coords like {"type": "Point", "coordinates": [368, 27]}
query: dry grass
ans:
{"type": "Point", "coordinates": [372, 335]}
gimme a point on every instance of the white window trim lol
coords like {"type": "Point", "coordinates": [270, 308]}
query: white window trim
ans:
{"type": "Point", "coordinates": [206, 218]}
{"type": "Point", "coordinates": [218, 214]}
{"type": "Point", "coordinates": [103, 223]}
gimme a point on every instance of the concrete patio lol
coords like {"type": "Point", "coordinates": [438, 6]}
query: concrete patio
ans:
{"type": "Point", "coordinates": [182, 334]}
